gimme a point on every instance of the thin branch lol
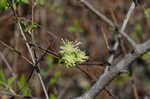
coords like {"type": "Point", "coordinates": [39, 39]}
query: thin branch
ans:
{"type": "Point", "coordinates": [7, 64]}
{"type": "Point", "coordinates": [103, 17]}
{"type": "Point", "coordinates": [111, 94]}
{"type": "Point", "coordinates": [124, 25]}
{"type": "Point", "coordinates": [32, 57]}
{"type": "Point", "coordinates": [54, 54]}
{"type": "Point", "coordinates": [105, 38]}
{"type": "Point", "coordinates": [131, 41]}
{"type": "Point", "coordinates": [34, 66]}
{"type": "Point", "coordinates": [135, 92]}
{"type": "Point", "coordinates": [16, 51]}
{"type": "Point", "coordinates": [132, 7]}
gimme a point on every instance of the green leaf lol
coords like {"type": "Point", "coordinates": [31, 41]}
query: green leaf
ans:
{"type": "Point", "coordinates": [23, 85]}
{"type": "Point", "coordinates": [148, 68]}
{"type": "Point", "coordinates": [22, 1]}
{"type": "Point", "coordinates": [138, 28]}
{"type": "Point", "coordinates": [121, 79]}
{"type": "Point", "coordinates": [77, 23]}
{"type": "Point", "coordinates": [147, 12]}
{"type": "Point", "coordinates": [52, 96]}
{"type": "Point", "coordinates": [26, 26]}
{"type": "Point", "coordinates": [49, 61]}
{"type": "Point", "coordinates": [57, 74]}
{"type": "Point", "coordinates": [146, 56]}
{"type": "Point", "coordinates": [55, 6]}
{"type": "Point", "coordinates": [41, 2]}
{"type": "Point", "coordinates": [11, 80]}
{"type": "Point", "coordinates": [71, 29]}
{"type": "Point", "coordinates": [4, 84]}
{"type": "Point", "coordinates": [53, 81]}
{"type": "Point", "coordinates": [2, 76]}
{"type": "Point", "coordinates": [22, 82]}
{"type": "Point", "coordinates": [3, 4]}
{"type": "Point", "coordinates": [54, 78]}
{"type": "Point", "coordinates": [26, 92]}
{"type": "Point", "coordinates": [75, 27]}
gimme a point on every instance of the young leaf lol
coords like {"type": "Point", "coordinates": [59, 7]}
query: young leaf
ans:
{"type": "Point", "coordinates": [2, 76]}
{"type": "Point", "coordinates": [26, 92]}
{"type": "Point", "coordinates": [3, 4]}
{"type": "Point", "coordinates": [11, 80]}
{"type": "Point", "coordinates": [147, 12]}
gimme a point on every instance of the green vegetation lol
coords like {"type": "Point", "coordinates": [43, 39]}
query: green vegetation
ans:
{"type": "Point", "coordinates": [75, 27]}
{"type": "Point", "coordinates": [147, 12]}
{"type": "Point", "coordinates": [5, 4]}
{"type": "Point", "coordinates": [23, 85]}
{"type": "Point", "coordinates": [55, 77]}
{"type": "Point", "coordinates": [8, 83]}
{"type": "Point", "coordinates": [27, 27]}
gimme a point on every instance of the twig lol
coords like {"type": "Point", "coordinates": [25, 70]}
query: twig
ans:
{"type": "Point", "coordinates": [105, 39]}
{"type": "Point", "coordinates": [7, 64]}
{"type": "Point", "coordinates": [134, 88]}
{"type": "Point", "coordinates": [46, 50]}
{"type": "Point", "coordinates": [34, 66]}
{"type": "Point", "coordinates": [132, 7]}
{"type": "Point", "coordinates": [103, 17]}
{"type": "Point", "coordinates": [125, 24]}
{"type": "Point", "coordinates": [111, 94]}
{"type": "Point", "coordinates": [16, 51]}
{"type": "Point", "coordinates": [133, 44]}
{"type": "Point", "coordinates": [63, 92]}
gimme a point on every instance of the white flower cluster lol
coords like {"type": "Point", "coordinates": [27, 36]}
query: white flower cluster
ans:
{"type": "Point", "coordinates": [71, 55]}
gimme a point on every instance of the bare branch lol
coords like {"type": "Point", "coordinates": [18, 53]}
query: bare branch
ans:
{"type": "Point", "coordinates": [107, 77]}
{"type": "Point", "coordinates": [132, 7]}
{"type": "Point", "coordinates": [7, 64]}
{"type": "Point", "coordinates": [125, 25]}
{"type": "Point", "coordinates": [103, 17]}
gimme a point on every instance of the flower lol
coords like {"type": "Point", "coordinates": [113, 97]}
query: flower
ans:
{"type": "Point", "coordinates": [71, 55]}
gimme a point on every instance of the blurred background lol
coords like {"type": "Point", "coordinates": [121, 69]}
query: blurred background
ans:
{"type": "Point", "coordinates": [71, 20]}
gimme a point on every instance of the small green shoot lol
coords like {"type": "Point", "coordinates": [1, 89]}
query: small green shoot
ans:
{"type": "Point", "coordinates": [3, 4]}
{"type": "Point", "coordinates": [75, 27]}
{"type": "Point", "coordinates": [54, 78]}
{"type": "Point", "coordinates": [41, 2]}
{"type": "Point", "coordinates": [23, 85]}
{"type": "Point", "coordinates": [147, 12]}
{"type": "Point", "coordinates": [146, 56]}
{"type": "Point", "coordinates": [7, 84]}
{"type": "Point", "coordinates": [27, 27]}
